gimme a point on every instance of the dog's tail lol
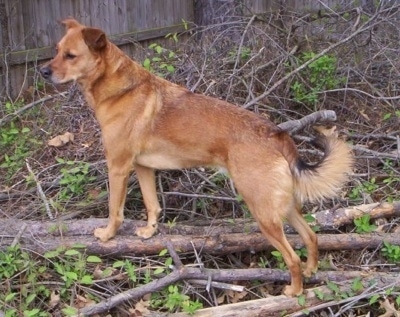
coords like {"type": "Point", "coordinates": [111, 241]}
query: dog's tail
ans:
{"type": "Point", "coordinates": [324, 179]}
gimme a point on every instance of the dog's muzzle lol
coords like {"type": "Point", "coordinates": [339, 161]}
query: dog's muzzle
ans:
{"type": "Point", "coordinates": [46, 72]}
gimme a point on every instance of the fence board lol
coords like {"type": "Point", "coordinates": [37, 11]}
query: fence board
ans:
{"type": "Point", "coordinates": [30, 28]}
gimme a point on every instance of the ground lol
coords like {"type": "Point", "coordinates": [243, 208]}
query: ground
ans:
{"type": "Point", "coordinates": [358, 78]}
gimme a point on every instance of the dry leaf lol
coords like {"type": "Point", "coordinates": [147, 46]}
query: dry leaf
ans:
{"type": "Point", "coordinates": [83, 301]}
{"type": "Point", "coordinates": [390, 310]}
{"type": "Point", "coordinates": [140, 309]}
{"type": "Point", "coordinates": [61, 140]}
{"type": "Point", "coordinates": [54, 298]}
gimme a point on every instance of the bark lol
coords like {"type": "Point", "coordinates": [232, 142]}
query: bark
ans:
{"type": "Point", "coordinates": [263, 307]}
{"type": "Point", "coordinates": [218, 238]}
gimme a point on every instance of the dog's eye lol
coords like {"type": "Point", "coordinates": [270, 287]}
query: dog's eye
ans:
{"type": "Point", "coordinates": [69, 56]}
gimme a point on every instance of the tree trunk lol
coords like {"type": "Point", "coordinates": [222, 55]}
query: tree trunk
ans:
{"type": "Point", "coordinates": [223, 237]}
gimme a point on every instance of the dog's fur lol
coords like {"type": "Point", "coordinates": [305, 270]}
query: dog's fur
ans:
{"type": "Point", "coordinates": [149, 123]}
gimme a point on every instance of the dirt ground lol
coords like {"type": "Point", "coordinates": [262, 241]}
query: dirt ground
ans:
{"type": "Point", "coordinates": [358, 77]}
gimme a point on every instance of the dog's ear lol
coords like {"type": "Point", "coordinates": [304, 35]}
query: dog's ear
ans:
{"type": "Point", "coordinates": [70, 23]}
{"type": "Point", "coordinates": [94, 38]}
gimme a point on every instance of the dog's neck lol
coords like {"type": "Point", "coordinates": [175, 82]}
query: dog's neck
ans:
{"type": "Point", "coordinates": [114, 65]}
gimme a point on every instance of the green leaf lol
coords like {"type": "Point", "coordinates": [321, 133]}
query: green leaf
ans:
{"type": "Point", "coordinates": [159, 270]}
{"type": "Point", "coordinates": [72, 252]}
{"type": "Point", "coordinates": [118, 264]}
{"type": "Point", "coordinates": [276, 254]}
{"type": "Point", "coordinates": [163, 252]}
{"type": "Point", "coordinates": [71, 275]}
{"type": "Point", "coordinates": [93, 259]}
{"type": "Point", "coordinates": [170, 68]}
{"type": "Point", "coordinates": [357, 285]}
{"type": "Point", "coordinates": [79, 246]}
{"type": "Point", "coordinates": [374, 299]}
{"type": "Point", "coordinates": [51, 254]}
{"type": "Point", "coordinates": [70, 311]}
{"type": "Point", "coordinates": [319, 294]}
{"type": "Point", "coordinates": [387, 116]}
{"type": "Point", "coordinates": [158, 49]}
{"type": "Point", "coordinates": [30, 298]}
{"type": "Point", "coordinates": [10, 297]}
{"type": "Point", "coordinates": [146, 63]}
{"type": "Point", "coordinates": [333, 287]}
{"type": "Point", "coordinates": [87, 280]}
{"type": "Point", "coordinates": [301, 300]}
{"type": "Point", "coordinates": [33, 312]}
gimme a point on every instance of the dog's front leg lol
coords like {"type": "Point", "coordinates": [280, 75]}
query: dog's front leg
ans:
{"type": "Point", "coordinates": [147, 184]}
{"type": "Point", "coordinates": [118, 180]}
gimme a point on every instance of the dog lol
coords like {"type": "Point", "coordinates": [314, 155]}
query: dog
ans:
{"type": "Point", "coordinates": [149, 123]}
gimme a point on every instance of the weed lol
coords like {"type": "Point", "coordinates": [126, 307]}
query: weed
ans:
{"type": "Point", "coordinates": [317, 77]}
{"type": "Point", "coordinates": [162, 61]}
{"type": "Point", "coordinates": [367, 187]}
{"type": "Point", "coordinates": [172, 299]}
{"type": "Point", "coordinates": [74, 177]}
{"type": "Point", "coordinates": [389, 115]}
{"type": "Point", "coordinates": [392, 181]}
{"type": "Point", "coordinates": [71, 264]}
{"type": "Point", "coordinates": [245, 53]}
{"type": "Point", "coordinates": [310, 219]}
{"type": "Point", "coordinates": [129, 268]}
{"type": "Point", "coordinates": [391, 252]}
{"type": "Point", "coordinates": [16, 266]}
{"type": "Point", "coordinates": [16, 142]}
{"type": "Point", "coordinates": [363, 224]}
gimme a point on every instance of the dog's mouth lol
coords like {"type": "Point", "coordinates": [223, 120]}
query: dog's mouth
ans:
{"type": "Point", "coordinates": [48, 74]}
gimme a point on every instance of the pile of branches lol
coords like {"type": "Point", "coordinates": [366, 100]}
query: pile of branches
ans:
{"type": "Point", "coordinates": [255, 62]}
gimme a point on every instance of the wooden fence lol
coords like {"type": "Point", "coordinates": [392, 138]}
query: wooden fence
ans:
{"type": "Point", "coordinates": [30, 28]}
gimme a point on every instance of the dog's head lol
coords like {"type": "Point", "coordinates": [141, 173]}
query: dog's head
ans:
{"type": "Point", "coordinates": [78, 54]}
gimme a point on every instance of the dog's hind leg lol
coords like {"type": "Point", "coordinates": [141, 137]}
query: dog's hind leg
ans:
{"type": "Point", "coordinates": [147, 184]}
{"type": "Point", "coordinates": [267, 189]}
{"type": "Point", "coordinates": [296, 219]}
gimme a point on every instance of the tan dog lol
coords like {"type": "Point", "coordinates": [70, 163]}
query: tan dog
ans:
{"type": "Point", "coordinates": [149, 123]}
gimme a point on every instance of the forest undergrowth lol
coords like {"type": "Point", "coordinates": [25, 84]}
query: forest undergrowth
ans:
{"type": "Point", "coordinates": [281, 65]}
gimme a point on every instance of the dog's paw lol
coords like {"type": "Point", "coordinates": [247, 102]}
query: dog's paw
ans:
{"type": "Point", "coordinates": [308, 272]}
{"type": "Point", "coordinates": [103, 234]}
{"type": "Point", "coordinates": [291, 291]}
{"type": "Point", "coordinates": [146, 232]}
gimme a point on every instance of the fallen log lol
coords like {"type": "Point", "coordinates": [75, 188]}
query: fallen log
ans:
{"type": "Point", "coordinates": [219, 237]}
{"type": "Point", "coordinates": [219, 244]}
{"type": "Point", "coordinates": [263, 307]}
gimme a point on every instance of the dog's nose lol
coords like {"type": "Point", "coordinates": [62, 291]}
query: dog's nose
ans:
{"type": "Point", "coordinates": [46, 72]}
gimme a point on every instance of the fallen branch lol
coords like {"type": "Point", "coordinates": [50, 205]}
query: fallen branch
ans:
{"type": "Point", "coordinates": [319, 116]}
{"type": "Point", "coordinates": [13, 115]}
{"type": "Point", "coordinates": [218, 237]}
{"type": "Point", "coordinates": [264, 307]}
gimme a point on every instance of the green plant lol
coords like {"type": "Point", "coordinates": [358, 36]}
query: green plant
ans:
{"type": "Point", "coordinates": [161, 62]}
{"type": "Point", "coordinates": [317, 77]}
{"type": "Point", "coordinates": [279, 259]}
{"type": "Point", "coordinates": [129, 268]}
{"type": "Point", "coordinates": [16, 142]}
{"type": "Point", "coordinates": [74, 177]}
{"type": "Point", "coordinates": [392, 181]}
{"type": "Point", "coordinates": [391, 252]}
{"type": "Point", "coordinates": [71, 265]}
{"type": "Point", "coordinates": [363, 224]}
{"type": "Point", "coordinates": [245, 53]}
{"type": "Point", "coordinates": [365, 187]}
{"type": "Point", "coordinates": [310, 219]}
{"type": "Point", "coordinates": [172, 299]}
{"type": "Point", "coordinates": [16, 266]}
